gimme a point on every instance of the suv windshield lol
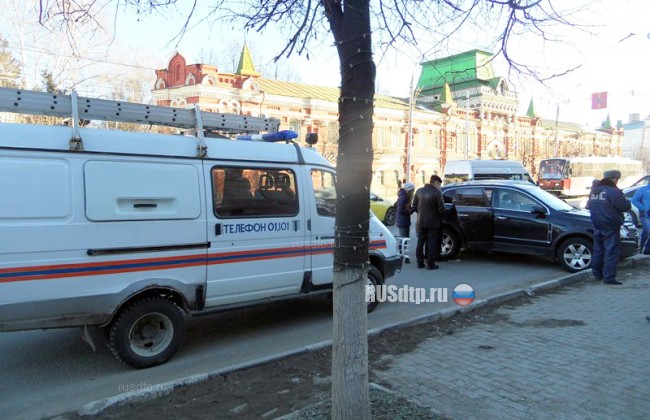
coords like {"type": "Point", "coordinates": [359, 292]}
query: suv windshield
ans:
{"type": "Point", "coordinates": [550, 200]}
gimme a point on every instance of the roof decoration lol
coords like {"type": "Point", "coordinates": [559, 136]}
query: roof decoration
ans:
{"type": "Point", "coordinates": [607, 124]}
{"type": "Point", "coordinates": [246, 66]}
{"type": "Point", "coordinates": [445, 100]}
{"type": "Point", "coordinates": [531, 109]}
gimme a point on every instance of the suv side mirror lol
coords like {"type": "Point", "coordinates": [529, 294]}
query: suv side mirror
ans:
{"type": "Point", "coordinates": [539, 210]}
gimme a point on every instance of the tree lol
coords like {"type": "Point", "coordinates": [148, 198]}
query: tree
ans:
{"type": "Point", "coordinates": [10, 68]}
{"type": "Point", "coordinates": [353, 24]}
{"type": "Point", "coordinates": [49, 85]}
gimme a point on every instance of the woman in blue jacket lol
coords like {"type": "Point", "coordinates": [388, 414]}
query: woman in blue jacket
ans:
{"type": "Point", "coordinates": [641, 201]}
{"type": "Point", "coordinates": [404, 210]}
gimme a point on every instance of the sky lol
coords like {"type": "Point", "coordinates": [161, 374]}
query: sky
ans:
{"type": "Point", "coordinates": [612, 55]}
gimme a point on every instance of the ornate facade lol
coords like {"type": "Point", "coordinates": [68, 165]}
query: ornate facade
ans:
{"type": "Point", "coordinates": [460, 110]}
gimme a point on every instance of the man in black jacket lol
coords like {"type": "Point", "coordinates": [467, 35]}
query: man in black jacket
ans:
{"type": "Point", "coordinates": [429, 206]}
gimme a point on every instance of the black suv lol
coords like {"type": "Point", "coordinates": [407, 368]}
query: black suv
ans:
{"type": "Point", "coordinates": [521, 218]}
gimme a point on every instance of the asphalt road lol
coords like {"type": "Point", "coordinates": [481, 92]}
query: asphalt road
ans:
{"type": "Point", "coordinates": [45, 373]}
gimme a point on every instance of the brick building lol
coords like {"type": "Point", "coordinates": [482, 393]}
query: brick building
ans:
{"type": "Point", "coordinates": [460, 110]}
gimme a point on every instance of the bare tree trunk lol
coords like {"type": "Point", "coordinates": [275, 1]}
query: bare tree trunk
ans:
{"type": "Point", "coordinates": [350, 399]}
{"type": "Point", "coordinates": [351, 29]}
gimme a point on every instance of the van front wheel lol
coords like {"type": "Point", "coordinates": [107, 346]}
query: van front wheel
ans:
{"type": "Point", "coordinates": [147, 332]}
{"type": "Point", "coordinates": [374, 279]}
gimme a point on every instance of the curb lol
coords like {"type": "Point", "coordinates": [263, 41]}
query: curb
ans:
{"type": "Point", "coordinates": [166, 388]}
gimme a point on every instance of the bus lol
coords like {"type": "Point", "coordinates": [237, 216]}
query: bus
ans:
{"type": "Point", "coordinates": [572, 177]}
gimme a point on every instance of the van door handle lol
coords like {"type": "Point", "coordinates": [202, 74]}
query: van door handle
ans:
{"type": "Point", "coordinates": [145, 205]}
{"type": "Point", "coordinates": [463, 215]}
{"type": "Point", "coordinates": [501, 218]}
{"type": "Point", "coordinates": [296, 225]}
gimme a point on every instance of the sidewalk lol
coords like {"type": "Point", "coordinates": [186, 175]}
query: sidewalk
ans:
{"type": "Point", "coordinates": [579, 351]}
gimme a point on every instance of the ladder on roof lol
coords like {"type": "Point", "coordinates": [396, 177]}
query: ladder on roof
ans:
{"type": "Point", "coordinates": [76, 107]}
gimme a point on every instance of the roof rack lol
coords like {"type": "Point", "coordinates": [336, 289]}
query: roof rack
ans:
{"type": "Point", "coordinates": [76, 107]}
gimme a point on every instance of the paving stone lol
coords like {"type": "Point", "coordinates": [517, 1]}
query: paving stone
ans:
{"type": "Point", "coordinates": [578, 354]}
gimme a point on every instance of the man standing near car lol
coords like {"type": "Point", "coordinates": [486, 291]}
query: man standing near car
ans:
{"type": "Point", "coordinates": [641, 201]}
{"type": "Point", "coordinates": [606, 205]}
{"type": "Point", "coordinates": [429, 207]}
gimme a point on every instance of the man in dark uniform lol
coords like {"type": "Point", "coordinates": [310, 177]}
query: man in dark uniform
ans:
{"type": "Point", "coordinates": [606, 205]}
{"type": "Point", "coordinates": [429, 206]}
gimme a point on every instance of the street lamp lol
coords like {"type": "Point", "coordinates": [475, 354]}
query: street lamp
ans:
{"type": "Point", "coordinates": [467, 125]}
{"type": "Point", "coordinates": [413, 95]}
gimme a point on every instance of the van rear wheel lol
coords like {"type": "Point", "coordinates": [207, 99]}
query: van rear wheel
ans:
{"type": "Point", "coordinates": [147, 332]}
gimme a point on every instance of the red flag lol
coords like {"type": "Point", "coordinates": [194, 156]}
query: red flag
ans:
{"type": "Point", "coordinates": [599, 100]}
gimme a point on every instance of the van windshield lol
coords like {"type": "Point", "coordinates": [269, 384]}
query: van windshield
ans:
{"type": "Point", "coordinates": [451, 178]}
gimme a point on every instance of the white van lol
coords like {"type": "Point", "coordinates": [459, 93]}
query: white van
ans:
{"type": "Point", "coordinates": [470, 170]}
{"type": "Point", "coordinates": [134, 232]}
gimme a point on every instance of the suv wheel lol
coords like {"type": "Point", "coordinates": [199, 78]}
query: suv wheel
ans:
{"type": "Point", "coordinates": [450, 244]}
{"type": "Point", "coordinates": [575, 254]}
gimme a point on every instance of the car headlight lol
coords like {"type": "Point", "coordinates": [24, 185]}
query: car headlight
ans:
{"type": "Point", "coordinates": [628, 231]}
{"type": "Point", "coordinates": [624, 232]}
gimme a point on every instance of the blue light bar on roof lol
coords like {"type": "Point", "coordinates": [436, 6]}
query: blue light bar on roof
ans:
{"type": "Point", "coordinates": [283, 135]}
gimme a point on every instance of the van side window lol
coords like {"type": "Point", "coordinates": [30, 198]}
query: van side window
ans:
{"type": "Point", "coordinates": [325, 192]}
{"type": "Point", "coordinates": [254, 192]}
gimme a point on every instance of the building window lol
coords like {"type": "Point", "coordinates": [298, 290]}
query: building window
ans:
{"type": "Point", "coordinates": [333, 133]}
{"type": "Point", "coordinates": [294, 125]}
{"type": "Point", "coordinates": [415, 139]}
{"type": "Point", "coordinates": [394, 137]}
{"type": "Point", "coordinates": [381, 138]}
{"type": "Point", "coordinates": [177, 74]}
